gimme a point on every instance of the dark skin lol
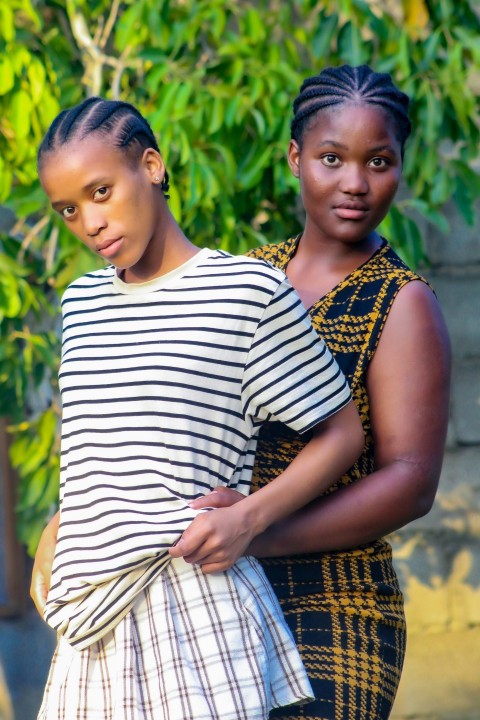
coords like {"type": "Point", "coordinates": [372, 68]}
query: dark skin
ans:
{"type": "Point", "coordinates": [349, 166]}
{"type": "Point", "coordinates": [352, 157]}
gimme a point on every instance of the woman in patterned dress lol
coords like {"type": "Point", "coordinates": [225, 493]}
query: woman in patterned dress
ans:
{"type": "Point", "coordinates": [330, 564]}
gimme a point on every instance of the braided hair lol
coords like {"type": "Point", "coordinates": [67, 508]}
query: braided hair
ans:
{"type": "Point", "coordinates": [347, 84]}
{"type": "Point", "coordinates": [122, 122]}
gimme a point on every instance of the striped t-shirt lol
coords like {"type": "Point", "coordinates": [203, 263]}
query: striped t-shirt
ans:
{"type": "Point", "coordinates": [165, 385]}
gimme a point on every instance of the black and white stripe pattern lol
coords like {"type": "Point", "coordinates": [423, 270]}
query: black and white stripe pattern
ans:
{"type": "Point", "coordinates": [164, 387]}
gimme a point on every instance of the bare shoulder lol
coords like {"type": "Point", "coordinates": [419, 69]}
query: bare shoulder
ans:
{"type": "Point", "coordinates": [416, 317]}
{"type": "Point", "coordinates": [408, 381]}
{"type": "Point", "coordinates": [415, 293]}
{"type": "Point", "coordinates": [414, 343]}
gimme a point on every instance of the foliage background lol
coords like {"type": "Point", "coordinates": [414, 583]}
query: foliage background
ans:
{"type": "Point", "coordinates": [216, 78]}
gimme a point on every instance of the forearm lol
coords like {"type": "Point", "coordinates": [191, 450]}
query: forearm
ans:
{"type": "Point", "coordinates": [333, 449]}
{"type": "Point", "coordinates": [217, 539]}
{"type": "Point", "coordinates": [357, 514]}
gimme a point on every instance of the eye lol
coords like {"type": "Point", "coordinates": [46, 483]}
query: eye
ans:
{"type": "Point", "coordinates": [68, 212]}
{"type": "Point", "coordinates": [101, 193]}
{"type": "Point", "coordinates": [331, 160]}
{"type": "Point", "coordinates": [379, 162]}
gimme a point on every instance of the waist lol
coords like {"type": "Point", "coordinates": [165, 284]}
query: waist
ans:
{"type": "Point", "coordinates": [368, 568]}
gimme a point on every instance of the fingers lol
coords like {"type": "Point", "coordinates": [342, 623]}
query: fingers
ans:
{"type": "Point", "coordinates": [211, 553]}
{"type": "Point", "coordinates": [213, 499]}
{"type": "Point", "coordinates": [209, 568]}
{"type": "Point", "coordinates": [194, 553]}
{"type": "Point", "coordinates": [192, 540]}
{"type": "Point", "coordinates": [215, 561]}
{"type": "Point", "coordinates": [220, 498]}
{"type": "Point", "coordinates": [208, 539]}
{"type": "Point", "coordinates": [191, 552]}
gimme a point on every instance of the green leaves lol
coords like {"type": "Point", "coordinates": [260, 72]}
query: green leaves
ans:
{"type": "Point", "coordinates": [20, 112]}
{"type": "Point", "coordinates": [35, 455]}
{"type": "Point", "coordinates": [7, 77]}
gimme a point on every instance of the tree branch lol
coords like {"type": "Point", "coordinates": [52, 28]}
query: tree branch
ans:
{"type": "Point", "coordinates": [93, 57]}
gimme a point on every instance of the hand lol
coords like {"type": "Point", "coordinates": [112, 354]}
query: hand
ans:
{"type": "Point", "coordinates": [215, 540]}
{"type": "Point", "coordinates": [42, 567]}
{"type": "Point", "coordinates": [221, 497]}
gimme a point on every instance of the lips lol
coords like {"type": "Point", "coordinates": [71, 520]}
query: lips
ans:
{"type": "Point", "coordinates": [351, 210]}
{"type": "Point", "coordinates": [110, 247]}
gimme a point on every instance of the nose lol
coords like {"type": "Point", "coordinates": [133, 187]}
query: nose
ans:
{"type": "Point", "coordinates": [354, 181]}
{"type": "Point", "coordinates": [94, 220]}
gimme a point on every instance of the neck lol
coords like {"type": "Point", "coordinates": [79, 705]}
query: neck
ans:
{"type": "Point", "coordinates": [168, 249]}
{"type": "Point", "coordinates": [311, 248]}
{"type": "Point", "coordinates": [317, 267]}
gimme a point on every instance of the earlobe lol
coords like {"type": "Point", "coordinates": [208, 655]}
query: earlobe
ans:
{"type": "Point", "coordinates": [294, 158]}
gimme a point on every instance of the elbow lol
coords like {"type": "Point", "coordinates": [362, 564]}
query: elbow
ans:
{"type": "Point", "coordinates": [423, 486]}
{"type": "Point", "coordinates": [424, 502]}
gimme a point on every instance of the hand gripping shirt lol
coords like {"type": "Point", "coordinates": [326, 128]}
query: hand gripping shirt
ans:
{"type": "Point", "coordinates": [165, 386]}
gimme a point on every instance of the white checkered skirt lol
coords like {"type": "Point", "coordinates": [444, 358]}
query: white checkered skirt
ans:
{"type": "Point", "coordinates": [193, 647]}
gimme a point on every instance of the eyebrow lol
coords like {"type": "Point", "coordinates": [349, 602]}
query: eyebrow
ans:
{"type": "Point", "coordinates": [377, 149]}
{"type": "Point", "coordinates": [86, 188]}
{"type": "Point", "coordinates": [382, 148]}
{"type": "Point", "coordinates": [334, 143]}
{"type": "Point", "coordinates": [59, 204]}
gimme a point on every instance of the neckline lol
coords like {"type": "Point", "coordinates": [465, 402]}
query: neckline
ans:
{"type": "Point", "coordinates": [293, 249]}
{"type": "Point", "coordinates": [161, 281]}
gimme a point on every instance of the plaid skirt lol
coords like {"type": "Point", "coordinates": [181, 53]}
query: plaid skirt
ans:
{"type": "Point", "coordinates": [346, 612]}
{"type": "Point", "coordinates": [193, 647]}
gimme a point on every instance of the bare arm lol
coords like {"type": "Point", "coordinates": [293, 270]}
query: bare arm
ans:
{"type": "Point", "coordinates": [217, 539]}
{"type": "Point", "coordinates": [408, 386]}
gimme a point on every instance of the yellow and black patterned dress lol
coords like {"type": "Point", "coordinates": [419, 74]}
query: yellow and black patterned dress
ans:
{"type": "Point", "coordinates": [344, 608]}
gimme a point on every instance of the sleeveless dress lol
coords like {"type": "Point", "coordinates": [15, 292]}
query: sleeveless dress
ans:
{"type": "Point", "coordinates": [345, 608]}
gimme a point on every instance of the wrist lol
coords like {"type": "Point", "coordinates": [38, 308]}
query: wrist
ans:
{"type": "Point", "coordinates": [253, 515]}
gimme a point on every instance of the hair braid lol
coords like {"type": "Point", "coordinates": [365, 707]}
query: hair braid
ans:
{"type": "Point", "coordinates": [124, 125]}
{"type": "Point", "coordinates": [348, 84]}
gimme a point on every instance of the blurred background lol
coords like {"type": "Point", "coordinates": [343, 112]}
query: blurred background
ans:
{"type": "Point", "coordinates": [216, 79]}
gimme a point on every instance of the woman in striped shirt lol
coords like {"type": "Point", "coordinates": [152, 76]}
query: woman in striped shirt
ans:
{"type": "Point", "coordinates": [172, 359]}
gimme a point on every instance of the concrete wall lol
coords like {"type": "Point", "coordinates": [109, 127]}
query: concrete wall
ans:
{"type": "Point", "coordinates": [438, 557]}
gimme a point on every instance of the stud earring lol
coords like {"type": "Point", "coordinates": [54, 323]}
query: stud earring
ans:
{"type": "Point", "coordinates": [156, 179]}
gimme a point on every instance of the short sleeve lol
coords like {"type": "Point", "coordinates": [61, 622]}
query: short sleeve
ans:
{"type": "Point", "coordinates": [290, 375]}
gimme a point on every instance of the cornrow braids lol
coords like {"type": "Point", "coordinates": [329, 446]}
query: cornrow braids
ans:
{"type": "Point", "coordinates": [347, 84]}
{"type": "Point", "coordinates": [122, 122]}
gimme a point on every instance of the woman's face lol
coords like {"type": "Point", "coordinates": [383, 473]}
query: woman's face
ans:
{"type": "Point", "coordinates": [109, 202]}
{"type": "Point", "coordinates": [349, 168]}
